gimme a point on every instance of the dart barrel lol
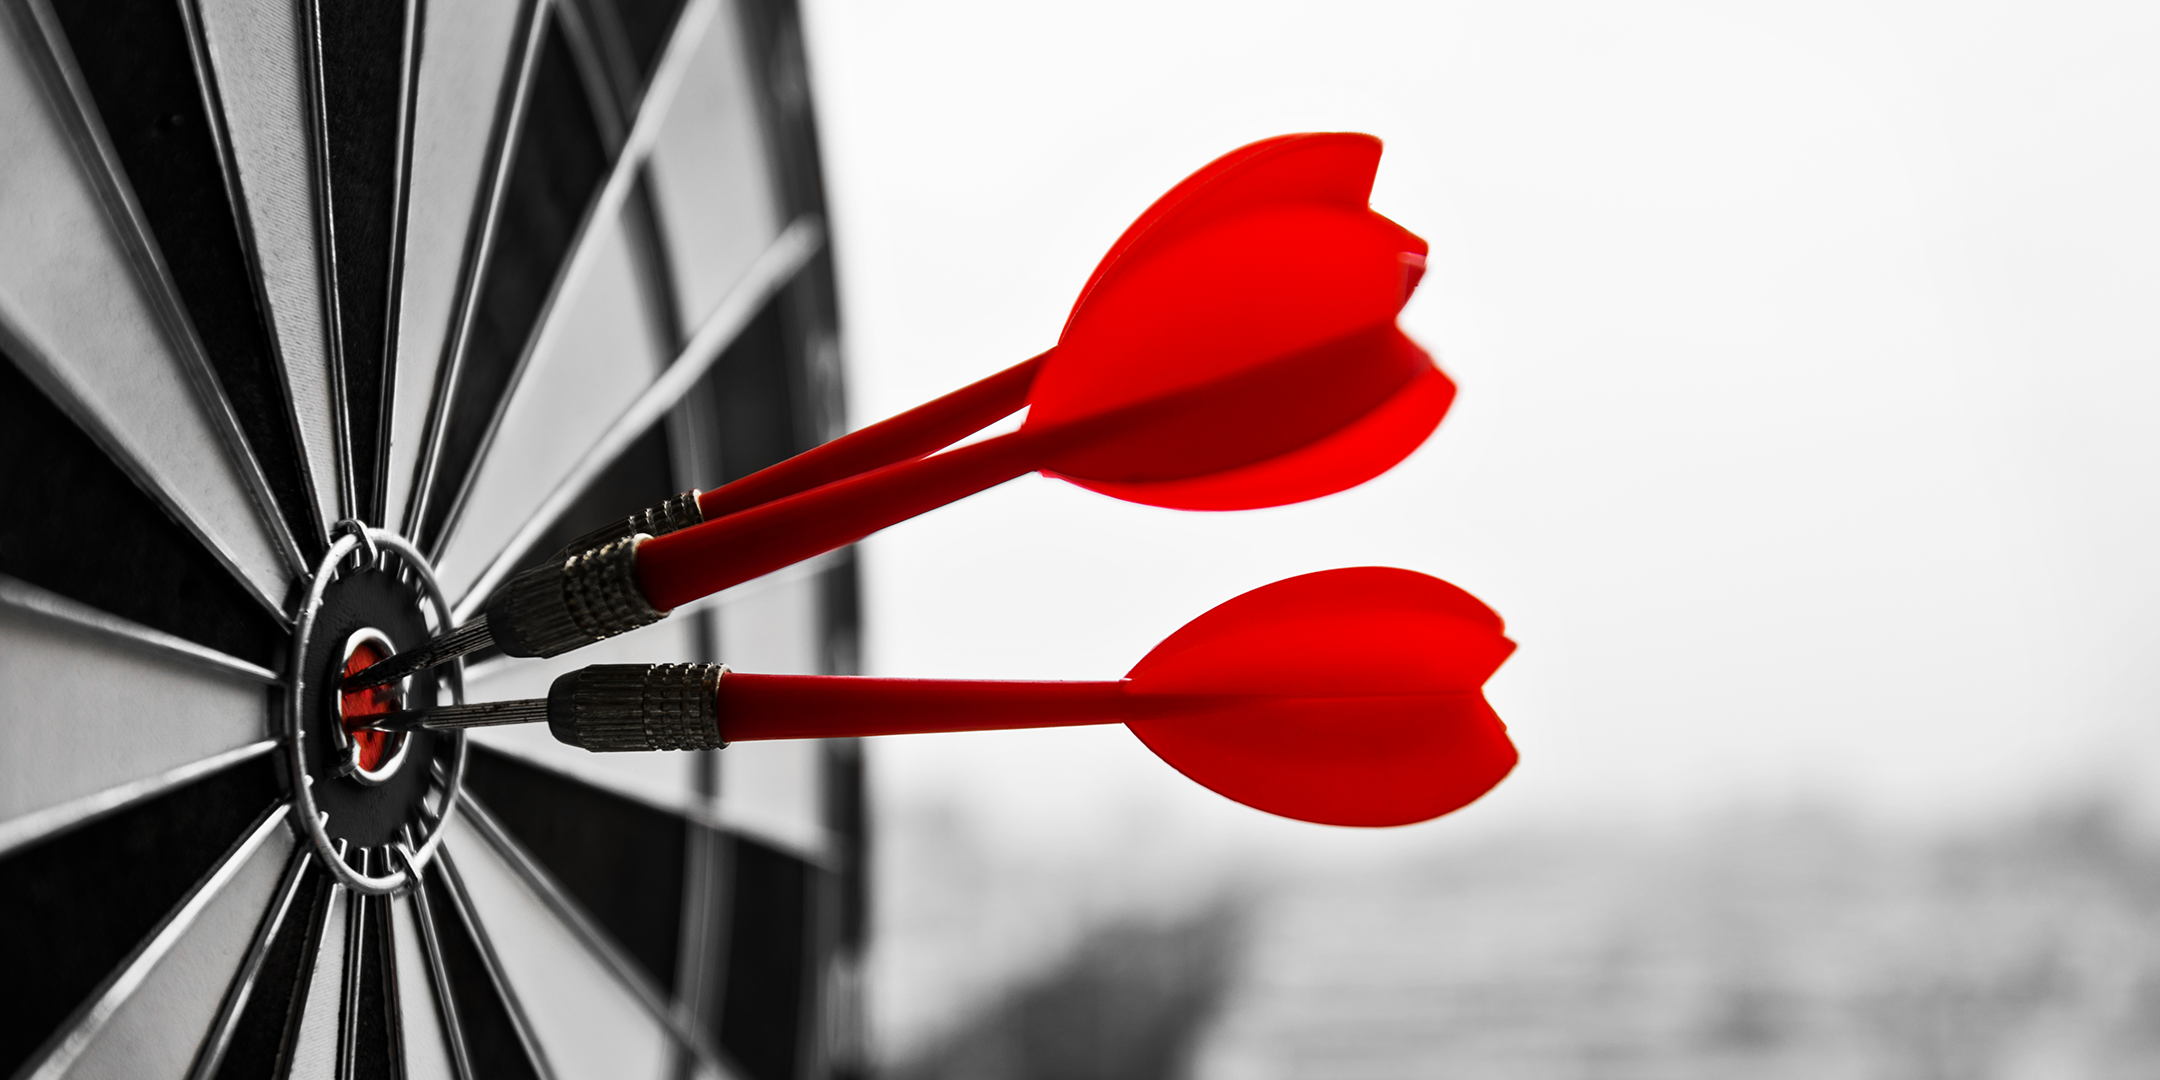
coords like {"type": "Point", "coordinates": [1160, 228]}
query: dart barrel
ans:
{"type": "Point", "coordinates": [613, 707]}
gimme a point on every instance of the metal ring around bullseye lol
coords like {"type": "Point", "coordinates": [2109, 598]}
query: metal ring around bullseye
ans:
{"type": "Point", "coordinates": [353, 536]}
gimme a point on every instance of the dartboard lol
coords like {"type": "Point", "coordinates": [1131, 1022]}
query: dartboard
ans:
{"type": "Point", "coordinates": [321, 319]}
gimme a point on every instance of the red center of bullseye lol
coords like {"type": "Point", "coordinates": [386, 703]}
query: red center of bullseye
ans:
{"type": "Point", "coordinates": [358, 706]}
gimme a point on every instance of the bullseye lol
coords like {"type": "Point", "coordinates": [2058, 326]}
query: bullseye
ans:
{"type": "Point", "coordinates": [370, 756]}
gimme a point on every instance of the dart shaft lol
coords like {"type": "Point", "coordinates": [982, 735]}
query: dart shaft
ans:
{"type": "Point", "coordinates": [923, 429]}
{"type": "Point", "coordinates": [469, 638]}
{"type": "Point", "coordinates": [754, 707]}
{"type": "Point", "coordinates": [930, 426]}
{"type": "Point", "coordinates": [612, 707]}
{"type": "Point", "coordinates": [683, 566]}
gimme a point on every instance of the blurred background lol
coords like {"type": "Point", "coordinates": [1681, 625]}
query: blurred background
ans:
{"type": "Point", "coordinates": [1808, 363]}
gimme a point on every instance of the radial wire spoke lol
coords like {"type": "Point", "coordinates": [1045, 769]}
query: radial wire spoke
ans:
{"type": "Point", "coordinates": [264, 1000]}
{"type": "Point", "coordinates": [145, 1019]}
{"type": "Point", "coordinates": [593, 1011]}
{"type": "Point", "coordinates": [318, 1006]}
{"type": "Point", "coordinates": [95, 755]}
{"type": "Point", "coordinates": [422, 1024]}
{"type": "Point", "coordinates": [139, 565]}
{"type": "Point", "coordinates": [23, 596]}
{"type": "Point", "coordinates": [438, 967]}
{"type": "Point", "coordinates": [618, 861]}
{"type": "Point", "coordinates": [363, 58]}
{"type": "Point", "coordinates": [468, 81]}
{"type": "Point", "coordinates": [244, 980]}
{"type": "Point", "coordinates": [78, 319]}
{"type": "Point", "coordinates": [97, 892]}
{"type": "Point", "coordinates": [259, 57]}
{"type": "Point", "coordinates": [775, 267]}
{"type": "Point", "coordinates": [577, 253]}
{"type": "Point", "coordinates": [503, 1040]}
{"type": "Point", "coordinates": [150, 114]}
{"type": "Point", "coordinates": [476, 287]}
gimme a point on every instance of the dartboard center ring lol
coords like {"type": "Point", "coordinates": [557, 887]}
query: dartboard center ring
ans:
{"type": "Point", "coordinates": [388, 794]}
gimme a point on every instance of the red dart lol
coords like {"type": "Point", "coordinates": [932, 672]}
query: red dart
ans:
{"type": "Point", "coordinates": [1235, 349]}
{"type": "Point", "coordinates": [1346, 697]}
{"type": "Point", "coordinates": [1100, 362]}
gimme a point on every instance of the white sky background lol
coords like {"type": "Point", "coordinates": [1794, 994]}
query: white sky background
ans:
{"type": "Point", "coordinates": [1808, 353]}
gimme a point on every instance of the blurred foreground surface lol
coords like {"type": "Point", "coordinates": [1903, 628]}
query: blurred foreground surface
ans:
{"type": "Point", "coordinates": [1797, 945]}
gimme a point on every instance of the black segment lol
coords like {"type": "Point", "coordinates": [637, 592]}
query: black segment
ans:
{"type": "Point", "coordinates": [77, 525]}
{"type": "Point", "coordinates": [840, 615]}
{"type": "Point", "coordinates": [374, 1050]}
{"type": "Point", "coordinates": [751, 394]}
{"type": "Point", "coordinates": [762, 1010]}
{"type": "Point", "coordinates": [559, 165]}
{"type": "Point", "coordinates": [810, 303]}
{"type": "Point", "coordinates": [491, 1039]}
{"type": "Point", "coordinates": [137, 60]}
{"type": "Point", "coordinates": [645, 25]}
{"type": "Point", "coordinates": [641, 477]}
{"type": "Point", "coordinates": [270, 1020]}
{"type": "Point", "coordinates": [79, 904]}
{"type": "Point", "coordinates": [360, 50]}
{"type": "Point", "coordinates": [622, 861]}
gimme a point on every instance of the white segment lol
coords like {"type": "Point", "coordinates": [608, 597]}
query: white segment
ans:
{"type": "Point", "coordinates": [466, 49]}
{"type": "Point", "coordinates": [97, 713]}
{"type": "Point", "coordinates": [70, 293]}
{"type": "Point", "coordinates": [588, 1024]}
{"type": "Point", "coordinates": [710, 172]}
{"type": "Point", "coordinates": [315, 1053]}
{"type": "Point", "coordinates": [158, 1029]}
{"type": "Point", "coordinates": [427, 1049]}
{"type": "Point", "coordinates": [258, 54]}
{"type": "Point", "coordinates": [604, 351]}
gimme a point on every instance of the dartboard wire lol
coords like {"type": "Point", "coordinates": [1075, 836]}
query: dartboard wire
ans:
{"type": "Point", "coordinates": [305, 1006]}
{"type": "Point", "coordinates": [44, 824]}
{"type": "Point", "coordinates": [23, 596]}
{"type": "Point", "coordinates": [53, 1059]}
{"type": "Point", "coordinates": [244, 221]}
{"type": "Point", "coordinates": [679, 1022]}
{"type": "Point", "coordinates": [242, 987]}
{"type": "Point", "coordinates": [602, 55]}
{"type": "Point", "coordinates": [378, 511]}
{"type": "Point", "coordinates": [53, 381]}
{"type": "Point", "coordinates": [592, 73]}
{"type": "Point", "coordinates": [356, 912]}
{"type": "Point", "coordinates": [70, 96]}
{"type": "Point", "coordinates": [501, 157]}
{"type": "Point", "coordinates": [588, 241]}
{"type": "Point", "coordinates": [490, 959]}
{"type": "Point", "coordinates": [326, 255]}
{"type": "Point", "coordinates": [327, 227]}
{"type": "Point", "coordinates": [701, 962]}
{"type": "Point", "coordinates": [770, 272]}
{"type": "Point", "coordinates": [438, 972]}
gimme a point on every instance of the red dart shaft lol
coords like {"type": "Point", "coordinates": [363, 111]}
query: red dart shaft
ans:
{"type": "Point", "coordinates": [675, 569]}
{"type": "Point", "coordinates": [930, 426]}
{"type": "Point", "coordinates": [827, 706]}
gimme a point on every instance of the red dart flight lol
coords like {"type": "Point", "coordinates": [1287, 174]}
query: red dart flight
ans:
{"type": "Point", "coordinates": [1236, 348]}
{"type": "Point", "coordinates": [1346, 697]}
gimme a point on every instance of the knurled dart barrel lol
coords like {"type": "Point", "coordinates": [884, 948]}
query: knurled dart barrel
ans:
{"type": "Point", "coordinates": [638, 707]}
